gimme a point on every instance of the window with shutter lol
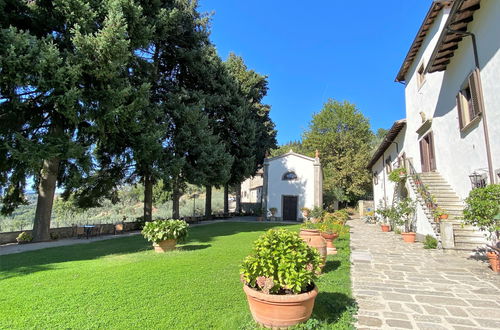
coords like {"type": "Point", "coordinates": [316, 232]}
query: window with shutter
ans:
{"type": "Point", "coordinates": [469, 100]}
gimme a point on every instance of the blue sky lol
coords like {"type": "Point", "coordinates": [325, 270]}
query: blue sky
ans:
{"type": "Point", "coordinates": [312, 51]}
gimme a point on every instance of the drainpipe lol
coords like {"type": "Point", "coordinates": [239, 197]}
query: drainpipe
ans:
{"type": "Point", "coordinates": [485, 122]}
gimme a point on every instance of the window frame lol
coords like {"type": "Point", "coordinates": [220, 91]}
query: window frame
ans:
{"type": "Point", "coordinates": [469, 101]}
{"type": "Point", "coordinates": [284, 176]}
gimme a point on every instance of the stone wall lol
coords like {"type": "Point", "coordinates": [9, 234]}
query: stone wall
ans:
{"type": "Point", "coordinates": [66, 232]}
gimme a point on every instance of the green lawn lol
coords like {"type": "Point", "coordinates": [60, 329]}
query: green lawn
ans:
{"type": "Point", "coordinates": [122, 283]}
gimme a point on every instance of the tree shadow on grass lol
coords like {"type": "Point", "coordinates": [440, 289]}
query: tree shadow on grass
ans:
{"type": "Point", "coordinates": [24, 263]}
{"type": "Point", "coordinates": [331, 265]}
{"type": "Point", "coordinates": [194, 247]}
{"type": "Point", "coordinates": [329, 306]}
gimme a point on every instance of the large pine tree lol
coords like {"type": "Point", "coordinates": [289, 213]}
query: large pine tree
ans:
{"type": "Point", "coordinates": [62, 77]}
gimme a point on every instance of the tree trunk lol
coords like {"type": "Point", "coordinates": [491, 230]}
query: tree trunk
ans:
{"type": "Point", "coordinates": [226, 199]}
{"type": "Point", "coordinates": [238, 198]}
{"type": "Point", "coordinates": [46, 192]}
{"type": "Point", "coordinates": [175, 202]}
{"type": "Point", "coordinates": [148, 198]}
{"type": "Point", "coordinates": [208, 202]}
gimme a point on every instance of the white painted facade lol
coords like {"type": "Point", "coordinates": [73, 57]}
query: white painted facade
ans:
{"type": "Point", "coordinates": [307, 186]}
{"type": "Point", "coordinates": [458, 152]}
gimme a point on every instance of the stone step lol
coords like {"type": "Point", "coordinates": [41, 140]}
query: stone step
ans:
{"type": "Point", "coordinates": [469, 239]}
{"type": "Point", "coordinates": [468, 246]}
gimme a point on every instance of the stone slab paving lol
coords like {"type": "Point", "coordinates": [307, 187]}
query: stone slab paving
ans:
{"type": "Point", "coordinates": [403, 286]}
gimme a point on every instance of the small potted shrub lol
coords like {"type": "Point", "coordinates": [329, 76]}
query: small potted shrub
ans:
{"type": "Point", "coordinates": [430, 242]}
{"type": "Point", "coordinates": [330, 230]}
{"type": "Point", "coordinates": [305, 212]}
{"type": "Point", "coordinates": [24, 238]}
{"type": "Point", "coordinates": [388, 215]}
{"type": "Point", "coordinates": [316, 214]}
{"type": "Point", "coordinates": [165, 233]}
{"type": "Point", "coordinates": [273, 211]}
{"type": "Point", "coordinates": [482, 209]}
{"type": "Point", "coordinates": [278, 279]}
{"type": "Point", "coordinates": [405, 211]}
{"type": "Point", "coordinates": [439, 214]}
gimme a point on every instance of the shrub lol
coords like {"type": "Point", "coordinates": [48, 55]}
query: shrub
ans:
{"type": "Point", "coordinates": [430, 242]}
{"type": "Point", "coordinates": [317, 212]}
{"type": "Point", "coordinates": [398, 175]}
{"type": "Point", "coordinates": [281, 263]}
{"type": "Point", "coordinates": [140, 222]}
{"type": "Point", "coordinates": [161, 230]}
{"type": "Point", "coordinates": [483, 208]}
{"type": "Point", "coordinates": [310, 225]}
{"type": "Point", "coordinates": [333, 227]}
{"type": "Point", "coordinates": [24, 237]}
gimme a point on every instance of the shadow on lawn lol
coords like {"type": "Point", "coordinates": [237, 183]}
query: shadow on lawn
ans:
{"type": "Point", "coordinates": [331, 265]}
{"type": "Point", "coordinates": [330, 306]}
{"type": "Point", "coordinates": [19, 264]}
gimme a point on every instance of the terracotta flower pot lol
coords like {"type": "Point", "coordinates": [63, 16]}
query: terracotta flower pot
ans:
{"type": "Point", "coordinates": [164, 246]}
{"type": "Point", "coordinates": [444, 216]}
{"type": "Point", "coordinates": [313, 238]}
{"type": "Point", "coordinates": [385, 228]}
{"type": "Point", "coordinates": [409, 237]}
{"type": "Point", "coordinates": [329, 238]}
{"type": "Point", "coordinates": [494, 260]}
{"type": "Point", "coordinates": [280, 311]}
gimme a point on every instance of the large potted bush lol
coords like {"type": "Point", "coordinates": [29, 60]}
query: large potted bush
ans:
{"type": "Point", "coordinates": [278, 278]}
{"type": "Point", "coordinates": [165, 234]}
{"type": "Point", "coordinates": [483, 211]}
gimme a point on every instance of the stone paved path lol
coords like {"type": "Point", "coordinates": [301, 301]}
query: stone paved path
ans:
{"type": "Point", "coordinates": [403, 286]}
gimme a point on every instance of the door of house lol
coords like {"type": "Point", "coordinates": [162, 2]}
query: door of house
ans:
{"type": "Point", "coordinates": [290, 208]}
{"type": "Point", "coordinates": [427, 158]}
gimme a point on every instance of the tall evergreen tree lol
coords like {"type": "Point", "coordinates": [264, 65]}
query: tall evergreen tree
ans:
{"type": "Point", "coordinates": [253, 88]}
{"type": "Point", "coordinates": [62, 77]}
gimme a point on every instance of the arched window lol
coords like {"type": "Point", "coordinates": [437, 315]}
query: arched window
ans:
{"type": "Point", "coordinates": [289, 176]}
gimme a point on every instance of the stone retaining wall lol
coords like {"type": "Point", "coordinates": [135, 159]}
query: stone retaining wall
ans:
{"type": "Point", "coordinates": [66, 232]}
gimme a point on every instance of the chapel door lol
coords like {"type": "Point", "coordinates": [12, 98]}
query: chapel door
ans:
{"type": "Point", "coordinates": [290, 208]}
{"type": "Point", "coordinates": [427, 158]}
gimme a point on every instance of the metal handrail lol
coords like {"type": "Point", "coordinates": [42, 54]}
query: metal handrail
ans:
{"type": "Point", "coordinates": [421, 188]}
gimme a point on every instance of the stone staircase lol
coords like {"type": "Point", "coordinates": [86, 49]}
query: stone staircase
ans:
{"type": "Point", "coordinates": [465, 238]}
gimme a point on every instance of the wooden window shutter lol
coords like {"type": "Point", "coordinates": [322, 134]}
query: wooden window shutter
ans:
{"type": "Point", "coordinates": [476, 93]}
{"type": "Point", "coordinates": [460, 110]}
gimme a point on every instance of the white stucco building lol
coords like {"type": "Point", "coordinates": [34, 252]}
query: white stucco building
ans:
{"type": "Point", "coordinates": [292, 181]}
{"type": "Point", "coordinates": [452, 127]}
{"type": "Point", "coordinates": [288, 183]}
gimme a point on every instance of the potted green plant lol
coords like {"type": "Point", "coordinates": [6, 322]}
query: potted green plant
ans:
{"type": "Point", "coordinates": [482, 209]}
{"type": "Point", "coordinates": [405, 211]}
{"type": "Point", "coordinates": [164, 234]}
{"type": "Point", "coordinates": [388, 215]}
{"type": "Point", "coordinates": [398, 175]}
{"type": "Point", "coordinates": [439, 214]}
{"type": "Point", "coordinates": [24, 238]}
{"type": "Point", "coordinates": [273, 211]}
{"type": "Point", "coordinates": [278, 279]}
{"type": "Point", "coordinates": [331, 229]}
{"type": "Point", "coordinates": [305, 212]}
{"type": "Point", "coordinates": [316, 214]}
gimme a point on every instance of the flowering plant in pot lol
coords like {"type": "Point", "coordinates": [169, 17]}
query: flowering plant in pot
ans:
{"type": "Point", "coordinates": [388, 217]}
{"type": "Point", "coordinates": [165, 234]}
{"type": "Point", "coordinates": [278, 278]}
{"type": "Point", "coordinates": [482, 209]}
